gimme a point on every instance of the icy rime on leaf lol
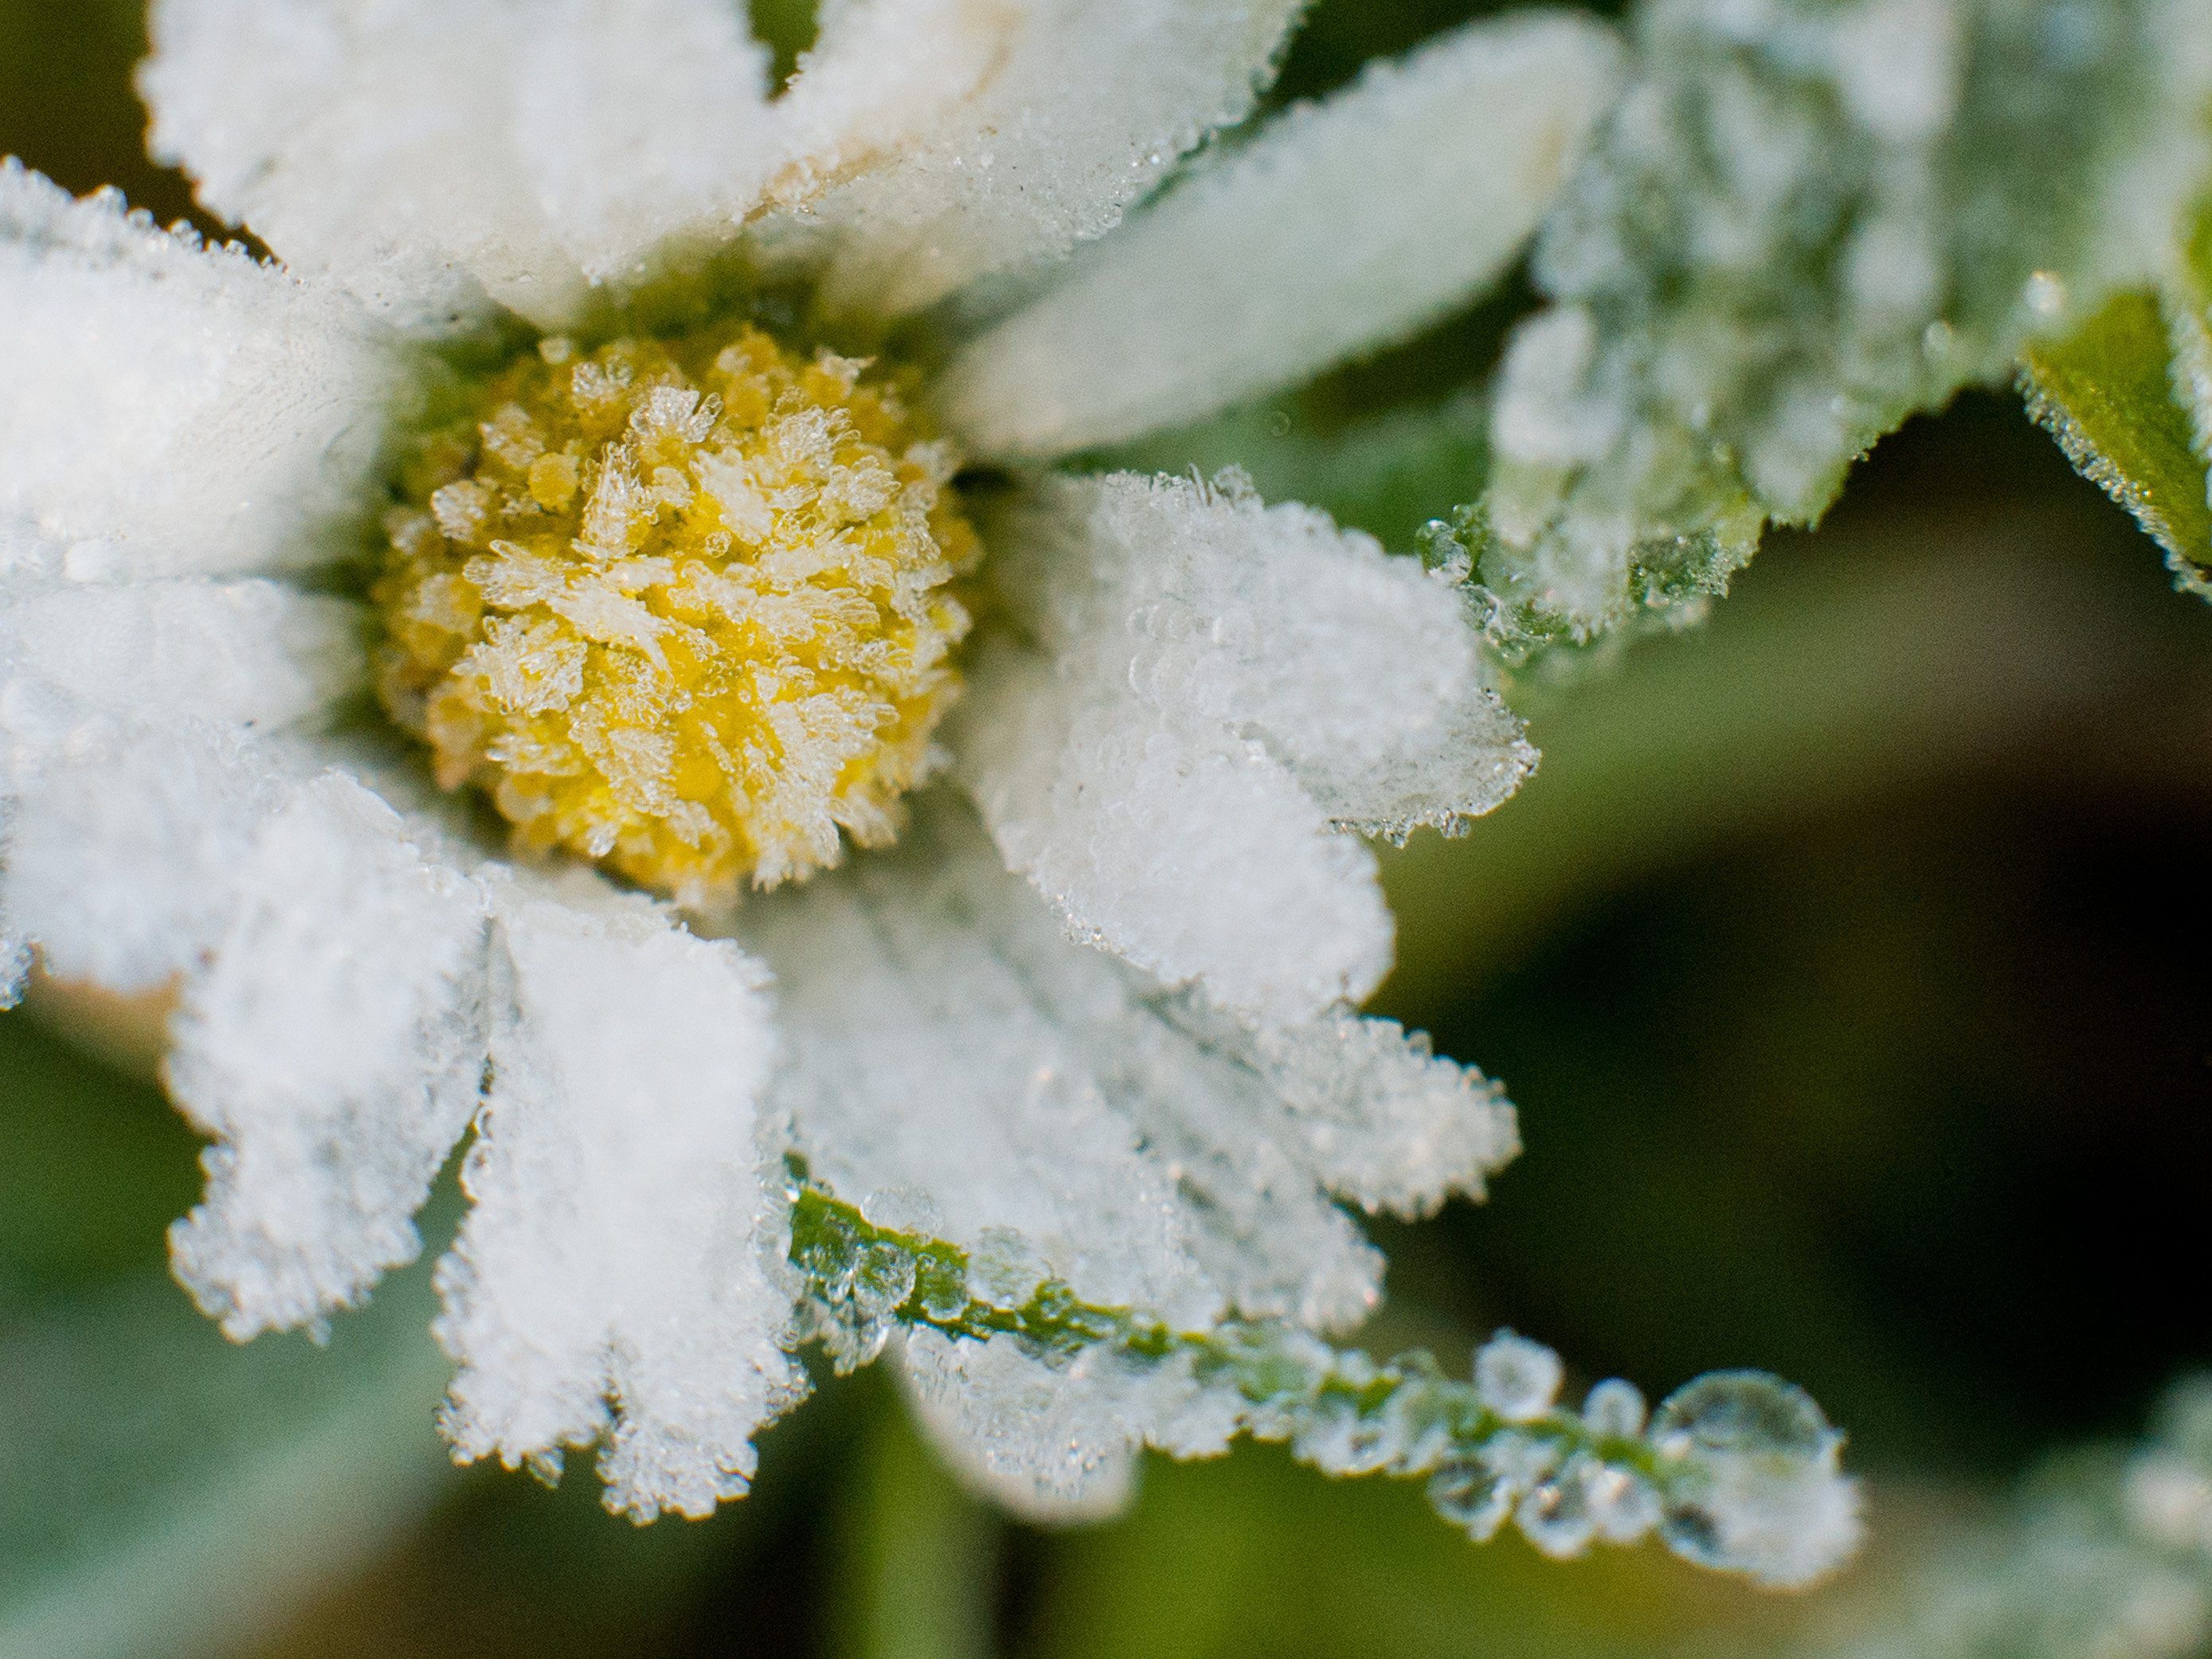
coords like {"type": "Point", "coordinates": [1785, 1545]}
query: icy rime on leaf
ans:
{"type": "Point", "coordinates": [1802, 223]}
{"type": "Point", "coordinates": [1737, 1471]}
{"type": "Point", "coordinates": [678, 605]}
{"type": "Point", "coordinates": [2108, 1557]}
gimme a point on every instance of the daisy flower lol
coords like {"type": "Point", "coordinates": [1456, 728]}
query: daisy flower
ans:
{"type": "Point", "coordinates": [588, 652]}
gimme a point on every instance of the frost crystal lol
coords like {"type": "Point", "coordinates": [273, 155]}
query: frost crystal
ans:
{"type": "Point", "coordinates": [1801, 223]}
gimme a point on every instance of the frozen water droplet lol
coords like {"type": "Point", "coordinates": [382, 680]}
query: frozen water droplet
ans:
{"type": "Point", "coordinates": [1755, 1486]}
{"type": "Point", "coordinates": [1614, 1409]}
{"type": "Point", "coordinates": [1003, 1269]}
{"type": "Point", "coordinates": [1556, 1515]}
{"type": "Point", "coordinates": [1338, 1438]}
{"type": "Point", "coordinates": [1468, 1495]}
{"type": "Point", "coordinates": [1623, 1504]}
{"type": "Point", "coordinates": [1516, 1378]}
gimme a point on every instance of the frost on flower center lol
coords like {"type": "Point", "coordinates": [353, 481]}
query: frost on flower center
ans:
{"type": "Point", "coordinates": [679, 605]}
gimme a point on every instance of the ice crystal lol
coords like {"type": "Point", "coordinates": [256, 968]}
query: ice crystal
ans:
{"type": "Point", "coordinates": [1801, 223]}
{"type": "Point", "coordinates": [1738, 1471]}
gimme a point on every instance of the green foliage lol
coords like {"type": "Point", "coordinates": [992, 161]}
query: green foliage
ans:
{"type": "Point", "coordinates": [2106, 392]}
{"type": "Point", "coordinates": [1804, 221]}
{"type": "Point", "coordinates": [161, 1489]}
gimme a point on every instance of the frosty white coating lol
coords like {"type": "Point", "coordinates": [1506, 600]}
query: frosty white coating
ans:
{"type": "Point", "coordinates": [362, 981]}
{"type": "Point", "coordinates": [172, 409]}
{"type": "Point", "coordinates": [1087, 105]}
{"type": "Point", "coordinates": [1208, 661]}
{"type": "Point", "coordinates": [610, 1284]}
{"type": "Point", "coordinates": [334, 1047]}
{"type": "Point", "coordinates": [1345, 224]}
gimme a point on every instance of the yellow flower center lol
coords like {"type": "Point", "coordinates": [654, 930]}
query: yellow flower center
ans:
{"type": "Point", "coordinates": [680, 605]}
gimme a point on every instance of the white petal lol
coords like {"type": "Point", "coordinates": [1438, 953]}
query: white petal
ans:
{"type": "Point", "coordinates": [1342, 226]}
{"type": "Point", "coordinates": [1222, 683]}
{"type": "Point", "coordinates": [880, 75]}
{"type": "Point", "coordinates": [170, 408]}
{"type": "Point", "coordinates": [1091, 104]}
{"type": "Point", "coordinates": [250, 653]}
{"type": "Point", "coordinates": [124, 853]}
{"type": "Point", "coordinates": [640, 121]}
{"type": "Point", "coordinates": [431, 153]}
{"type": "Point", "coordinates": [334, 1047]}
{"type": "Point", "coordinates": [613, 1276]}
{"type": "Point", "coordinates": [949, 1045]}
{"type": "Point", "coordinates": [1373, 1112]}
{"type": "Point", "coordinates": [1356, 669]}
{"type": "Point", "coordinates": [1192, 853]}
{"type": "Point", "coordinates": [1051, 1448]}
{"type": "Point", "coordinates": [923, 1063]}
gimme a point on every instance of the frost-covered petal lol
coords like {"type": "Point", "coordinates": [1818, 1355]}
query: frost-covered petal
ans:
{"type": "Point", "coordinates": [950, 1045]}
{"type": "Point", "coordinates": [1050, 1447]}
{"type": "Point", "coordinates": [1090, 103]}
{"type": "Point", "coordinates": [879, 75]}
{"type": "Point", "coordinates": [1357, 670]}
{"type": "Point", "coordinates": [1381, 1118]}
{"type": "Point", "coordinates": [1222, 685]}
{"type": "Point", "coordinates": [124, 852]}
{"type": "Point", "coordinates": [923, 1063]}
{"type": "Point", "coordinates": [1193, 855]}
{"type": "Point", "coordinates": [334, 1047]}
{"type": "Point", "coordinates": [1344, 225]}
{"type": "Point", "coordinates": [171, 408]}
{"type": "Point", "coordinates": [252, 652]}
{"type": "Point", "coordinates": [431, 153]}
{"type": "Point", "coordinates": [955, 1062]}
{"type": "Point", "coordinates": [613, 1276]}
{"type": "Point", "coordinates": [637, 120]}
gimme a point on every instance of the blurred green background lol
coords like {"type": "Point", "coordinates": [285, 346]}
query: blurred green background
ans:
{"type": "Point", "coordinates": [1846, 958]}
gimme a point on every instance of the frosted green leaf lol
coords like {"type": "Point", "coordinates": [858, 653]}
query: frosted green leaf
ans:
{"type": "Point", "coordinates": [2107, 1556]}
{"type": "Point", "coordinates": [1738, 1472]}
{"type": "Point", "coordinates": [1804, 220]}
{"type": "Point", "coordinates": [2106, 392]}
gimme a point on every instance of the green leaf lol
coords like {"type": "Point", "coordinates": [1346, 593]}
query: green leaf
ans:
{"type": "Point", "coordinates": [163, 1491]}
{"type": "Point", "coordinates": [1804, 221]}
{"type": "Point", "coordinates": [2106, 393]}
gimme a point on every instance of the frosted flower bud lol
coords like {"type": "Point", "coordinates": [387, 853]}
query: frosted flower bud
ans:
{"type": "Point", "coordinates": [1756, 1486]}
{"type": "Point", "coordinates": [1516, 1378]}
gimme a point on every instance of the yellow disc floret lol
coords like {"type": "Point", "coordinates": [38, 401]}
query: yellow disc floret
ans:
{"type": "Point", "coordinates": [680, 606]}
